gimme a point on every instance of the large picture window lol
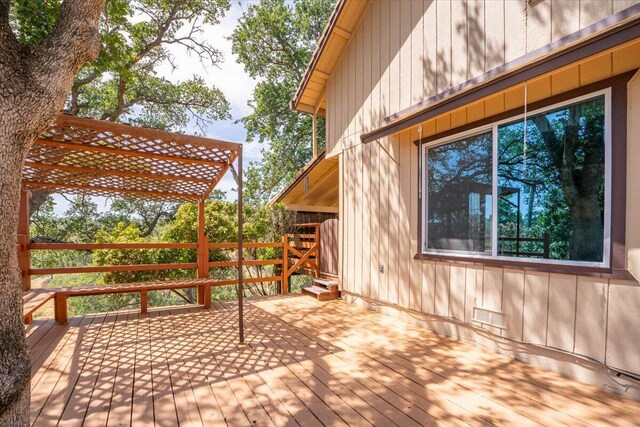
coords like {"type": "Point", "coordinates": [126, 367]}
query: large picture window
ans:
{"type": "Point", "coordinates": [532, 188]}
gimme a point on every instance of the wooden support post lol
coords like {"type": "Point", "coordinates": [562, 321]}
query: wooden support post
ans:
{"type": "Point", "coordinates": [314, 135]}
{"type": "Point", "coordinates": [285, 264]}
{"type": "Point", "coordinates": [24, 255]}
{"type": "Point", "coordinates": [206, 296]}
{"type": "Point", "coordinates": [240, 255]}
{"type": "Point", "coordinates": [203, 250]}
{"type": "Point", "coordinates": [60, 304]}
{"type": "Point", "coordinates": [28, 319]}
{"type": "Point", "coordinates": [144, 302]}
{"type": "Point", "coordinates": [201, 294]}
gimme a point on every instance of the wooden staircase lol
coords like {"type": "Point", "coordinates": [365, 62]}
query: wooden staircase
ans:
{"type": "Point", "coordinates": [322, 289]}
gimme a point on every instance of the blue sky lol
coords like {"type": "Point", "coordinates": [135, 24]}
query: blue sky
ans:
{"type": "Point", "coordinates": [229, 77]}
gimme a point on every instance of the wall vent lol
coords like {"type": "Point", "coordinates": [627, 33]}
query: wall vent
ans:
{"type": "Point", "coordinates": [489, 317]}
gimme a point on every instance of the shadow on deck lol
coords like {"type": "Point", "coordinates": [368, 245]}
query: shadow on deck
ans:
{"type": "Point", "coordinates": [305, 363]}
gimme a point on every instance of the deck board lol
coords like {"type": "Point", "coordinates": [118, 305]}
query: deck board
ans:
{"type": "Point", "coordinates": [305, 363]}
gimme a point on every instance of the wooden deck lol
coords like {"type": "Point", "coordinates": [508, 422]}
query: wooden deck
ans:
{"type": "Point", "coordinates": [305, 363]}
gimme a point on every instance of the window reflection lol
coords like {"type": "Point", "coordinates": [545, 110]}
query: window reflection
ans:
{"type": "Point", "coordinates": [459, 195]}
{"type": "Point", "coordinates": [551, 185]}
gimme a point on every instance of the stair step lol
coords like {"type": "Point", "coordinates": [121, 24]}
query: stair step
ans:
{"type": "Point", "coordinates": [331, 285]}
{"type": "Point", "coordinates": [320, 293]}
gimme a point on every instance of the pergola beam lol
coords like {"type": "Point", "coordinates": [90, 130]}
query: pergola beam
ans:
{"type": "Point", "coordinates": [60, 186]}
{"type": "Point", "coordinates": [113, 172]}
{"type": "Point", "coordinates": [221, 173]}
{"type": "Point", "coordinates": [126, 153]}
{"type": "Point", "coordinates": [150, 134]}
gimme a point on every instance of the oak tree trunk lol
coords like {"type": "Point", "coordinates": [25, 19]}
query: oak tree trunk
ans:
{"type": "Point", "coordinates": [34, 83]}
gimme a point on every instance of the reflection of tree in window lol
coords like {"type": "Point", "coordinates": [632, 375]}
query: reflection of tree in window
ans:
{"type": "Point", "coordinates": [459, 188]}
{"type": "Point", "coordinates": [551, 189]}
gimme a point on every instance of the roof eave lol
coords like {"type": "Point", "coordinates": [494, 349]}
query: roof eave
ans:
{"type": "Point", "coordinates": [322, 41]}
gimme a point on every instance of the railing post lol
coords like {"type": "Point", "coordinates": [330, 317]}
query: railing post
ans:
{"type": "Point", "coordinates": [144, 302]}
{"type": "Point", "coordinates": [285, 264]}
{"type": "Point", "coordinates": [60, 308]}
{"type": "Point", "coordinates": [24, 255]}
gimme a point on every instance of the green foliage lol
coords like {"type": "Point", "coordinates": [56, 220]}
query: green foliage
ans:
{"type": "Point", "coordinates": [80, 223]}
{"type": "Point", "coordinates": [122, 84]}
{"type": "Point", "coordinates": [33, 20]}
{"type": "Point", "coordinates": [266, 224]}
{"type": "Point", "coordinates": [148, 216]}
{"type": "Point", "coordinates": [274, 41]}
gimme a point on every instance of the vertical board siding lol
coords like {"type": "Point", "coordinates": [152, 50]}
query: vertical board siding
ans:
{"type": "Point", "coordinates": [494, 49]}
{"type": "Point", "coordinates": [366, 220]}
{"type": "Point", "coordinates": [443, 44]}
{"type": "Point", "coordinates": [515, 19]}
{"type": "Point", "coordinates": [624, 311]}
{"type": "Point", "coordinates": [385, 59]}
{"type": "Point", "coordinates": [404, 234]}
{"type": "Point", "coordinates": [405, 28]}
{"type": "Point", "coordinates": [404, 52]}
{"type": "Point", "coordinates": [414, 49]}
{"type": "Point", "coordinates": [536, 305]}
{"type": "Point", "coordinates": [564, 20]}
{"type": "Point", "coordinates": [394, 52]}
{"type": "Point", "coordinates": [476, 38]}
{"type": "Point", "coordinates": [442, 289]}
{"type": "Point", "coordinates": [593, 11]}
{"type": "Point", "coordinates": [430, 55]}
{"type": "Point", "coordinates": [357, 223]}
{"type": "Point", "coordinates": [458, 291]}
{"type": "Point", "coordinates": [374, 219]}
{"type": "Point", "coordinates": [513, 302]}
{"type": "Point", "coordinates": [591, 318]}
{"type": "Point", "coordinates": [415, 268]}
{"type": "Point", "coordinates": [459, 42]}
{"type": "Point", "coordinates": [395, 220]}
{"type": "Point", "coordinates": [367, 71]}
{"type": "Point", "coordinates": [562, 315]}
{"type": "Point", "coordinates": [417, 92]}
{"type": "Point", "coordinates": [538, 26]}
{"type": "Point", "coordinates": [428, 286]}
{"type": "Point", "coordinates": [492, 290]}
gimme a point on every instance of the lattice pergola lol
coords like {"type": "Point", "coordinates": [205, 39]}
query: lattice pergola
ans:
{"type": "Point", "coordinates": [99, 158]}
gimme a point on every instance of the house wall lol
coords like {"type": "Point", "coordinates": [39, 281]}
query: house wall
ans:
{"type": "Point", "coordinates": [406, 51]}
{"type": "Point", "coordinates": [382, 72]}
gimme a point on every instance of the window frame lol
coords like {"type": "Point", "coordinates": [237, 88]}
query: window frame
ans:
{"type": "Point", "coordinates": [492, 124]}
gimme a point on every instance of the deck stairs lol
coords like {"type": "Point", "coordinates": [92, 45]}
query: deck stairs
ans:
{"type": "Point", "coordinates": [322, 289]}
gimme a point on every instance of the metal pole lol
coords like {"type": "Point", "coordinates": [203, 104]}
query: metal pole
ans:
{"type": "Point", "coordinates": [240, 256]}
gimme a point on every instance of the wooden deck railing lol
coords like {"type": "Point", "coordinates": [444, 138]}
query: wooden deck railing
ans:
{"type": "Point", "coordinates": [300, 252]}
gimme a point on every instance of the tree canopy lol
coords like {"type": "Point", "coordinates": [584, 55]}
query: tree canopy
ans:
{"type": "Point", "coordinates": [274, 41]}
{"type": "Point", "coordinates": [124, 83]}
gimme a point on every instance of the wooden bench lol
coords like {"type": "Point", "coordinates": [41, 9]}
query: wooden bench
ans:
{"type": "Point", "coordinates": [33, 300]}
{"type": "Point", "coordinates": [61, 295]}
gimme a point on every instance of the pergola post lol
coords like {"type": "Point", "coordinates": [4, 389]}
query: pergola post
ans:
{"type": "Point", "coordinates": [240, 254]}
{"type": "Point", "coordinates": [203, 252]}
